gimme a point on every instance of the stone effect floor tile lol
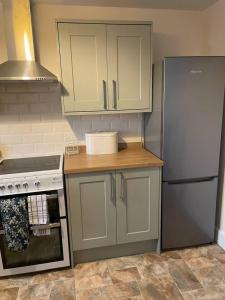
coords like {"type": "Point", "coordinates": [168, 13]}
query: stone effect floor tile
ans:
{"type": "Point", "coordinates": [92, 275]}
{"type": "Point", "coordinates": [9, 294]}
{"type": "Point", "coordinates": [209, 277]}
{"type": "Point", "coordinates": [183, 276]}
{"type": "Point", "coordinates": [63, 289]}
{"type": "Point", "coordinates": [125, 275]}
{"type": "Point", "coordinates": [200, 262]}
{"type": "Point", "coordinates": [122, 290]}
{"type": "Point", "coordinates": [159, 289]}
{"type": "Point", "coordinates": [212, 293]}
{"type": "Point", "coordinates": [17, 281]}
{"type": "Point", "coordinates": [35, 292]}
{"type": "Point", "coordinates": [52, 276]}
{"type": "Point", "coordinates": [190, 274]}
{"type": "Point", "coordinates": [125, 262]}
{"type": "Point", "coordinates": [88, 294]}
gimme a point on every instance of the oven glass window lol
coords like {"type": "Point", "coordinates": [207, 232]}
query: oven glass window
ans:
{"type": "Point", "coordinates": [41, 249]}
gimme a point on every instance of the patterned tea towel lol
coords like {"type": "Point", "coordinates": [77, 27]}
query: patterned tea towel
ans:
{"type": "Point", "coordinates": [14, 217]}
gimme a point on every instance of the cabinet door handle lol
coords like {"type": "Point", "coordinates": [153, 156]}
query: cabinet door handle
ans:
{"type": "Point", "coordinates": [112, 189]}
{"type": "Point", "coordinates": [114, 95]}
{"type": "Point", "coordinates": [104, 94]}
{"type": "Point", "coordinates": [122, 187]}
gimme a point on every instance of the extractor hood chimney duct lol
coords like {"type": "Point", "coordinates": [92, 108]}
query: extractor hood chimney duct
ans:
{"type": "Point", "coordinates": [21, 64]}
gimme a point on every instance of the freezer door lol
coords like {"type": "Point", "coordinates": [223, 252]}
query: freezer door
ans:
{"type": "Point", "coordinates": [193, 113]}
{"type": "Point", "coordinates": [188, 214]}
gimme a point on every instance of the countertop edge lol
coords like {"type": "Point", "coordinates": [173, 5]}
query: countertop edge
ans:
{"type": "Point", "coordinates": [112, 168]}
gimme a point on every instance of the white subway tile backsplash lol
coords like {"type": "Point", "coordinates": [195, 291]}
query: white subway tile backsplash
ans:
{"type": "Point", "coordinates": [4, 129]}
{"type": "Point", "coordinates": [42, 128]}
{"type": "Point", "coordinates": [10, 139]}
{"type": "Point", "coordinates": [53, 137]}
{"type": "Point", "coordinates": [30, 118]}
{"type": "Point", "coordinates": [32, 138]}
{"type": "Point", "coordinates": [16, 87]}
{"type": "Point", "coordinates": [51, 116]}
{"type": "Point", "coordinates": [49, 97]}
{"type": "Point", "coordinates": [40, 108]}
{"type": "Point", "coordinates": [18, 108]}
{"type": "Point", "coordinates": [2, 88]}
{"type": "Point", "coordinates": [22, 149]}
{"type": "Point", "coordinates": [44, 148]}
{"type": "Point", "coordinates": [8, 119]}
{"type": "Point", "coordinates": [3, 108]}
{"type": "Point", "coordinates": [20, 128]}
{"type": "Point", "coordinates": [28, 98]}
{"type": "Point", "coordinates": [37, 87]}
{"type": "Point", "coordinates": [8, 98]}
{"type": "Point", "coordinates": [31, 121]}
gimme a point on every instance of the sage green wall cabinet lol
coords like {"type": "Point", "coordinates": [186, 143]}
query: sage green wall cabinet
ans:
{"type": "Point", "coordinates": [138, 194]}
{"type": "Point", "coordinates": [110, 208]}
{"type": "Point", "coordinates": [105, 68]}
{"type": "Point", "coordinates": [92, 210]}
{"type": "Point", "coordinates": [129, 70]}
{"type": "Point", "coordinates": [83, 66]}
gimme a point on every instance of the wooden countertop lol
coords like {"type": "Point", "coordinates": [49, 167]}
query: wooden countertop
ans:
{"type": "Point", "coordinates": [124, 159]}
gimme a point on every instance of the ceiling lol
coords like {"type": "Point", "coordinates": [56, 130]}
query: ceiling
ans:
{"type": "Point", "coordinates": [155, 4]}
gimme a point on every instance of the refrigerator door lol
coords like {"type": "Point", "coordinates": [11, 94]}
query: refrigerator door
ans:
{"type": "Point", "coordinates": [188, 214]}
{"type": "Point", "coordinates": [193, 113]}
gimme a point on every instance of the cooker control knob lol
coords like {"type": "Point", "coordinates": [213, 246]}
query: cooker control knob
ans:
{"type": "Point", "coordinates": [25, 185]}
{"type": "Point", "coordinates": [37, 183]}
{"type": "Point", "coordinates": [17, 185]}
{"type": "Point", "coordinates": [2, 187]}
{"type": "Point", "coordinates": [10, 186]}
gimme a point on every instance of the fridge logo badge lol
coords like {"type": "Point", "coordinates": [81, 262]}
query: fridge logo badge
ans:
{"type": "Point", "coordinates": [197, 72]}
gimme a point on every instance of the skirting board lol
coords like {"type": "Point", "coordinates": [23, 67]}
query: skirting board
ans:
{"type": "Point", "coordinates": [221, 238]}
{"type": "Point", "coordinates": [115, 251]}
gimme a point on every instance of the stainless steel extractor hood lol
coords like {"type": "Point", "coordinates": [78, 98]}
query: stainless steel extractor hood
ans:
{"type": "Point", "coordinates": [22, 70]}
{"type": "Point", "coordinates": [21, 65]}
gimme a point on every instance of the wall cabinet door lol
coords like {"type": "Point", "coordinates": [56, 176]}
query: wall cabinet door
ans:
{"type": "Point", "coordinates": [138, 198]}
{"type": "Point", "coordinates": [92, 210]}
{"type": "Point", "coordinates": [129, 66]}
{"type": "Point", "coordinates": [84, 67]}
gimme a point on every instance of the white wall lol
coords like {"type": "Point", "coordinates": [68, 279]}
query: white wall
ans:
{"type": "Point", "coordinates": [214, 18]}
{"type": "Point", "coordinates": [175, 32]}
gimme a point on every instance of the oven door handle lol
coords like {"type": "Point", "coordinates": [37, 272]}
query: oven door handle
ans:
{"type": "Point", "coordinates": [45, 226]}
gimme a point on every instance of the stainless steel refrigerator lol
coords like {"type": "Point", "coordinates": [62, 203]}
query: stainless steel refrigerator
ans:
{"type": "Point", "coordinates": [184, 130]}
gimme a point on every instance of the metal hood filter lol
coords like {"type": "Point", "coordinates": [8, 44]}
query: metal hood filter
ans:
{"type": "Point", "coordinates": [19, 70]}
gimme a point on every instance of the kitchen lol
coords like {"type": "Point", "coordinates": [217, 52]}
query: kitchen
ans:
{"type": "Point", "coordinates": [32, 125]}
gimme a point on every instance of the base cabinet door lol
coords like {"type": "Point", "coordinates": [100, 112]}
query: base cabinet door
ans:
{"type": "Point", "coordinates": [137, 195]}
{"type": "Point", "coordinates": [92, 210]}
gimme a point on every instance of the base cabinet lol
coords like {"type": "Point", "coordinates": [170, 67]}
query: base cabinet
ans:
{"type": "Point", "coordinates": [109, 208]}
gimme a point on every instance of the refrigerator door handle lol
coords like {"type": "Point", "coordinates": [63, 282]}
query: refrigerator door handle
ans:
{"type": "Point", "coordinates": [191, 180]}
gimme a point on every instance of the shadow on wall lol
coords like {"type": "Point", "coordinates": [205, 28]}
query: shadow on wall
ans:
{"type": "Point", "coordinates": [164, 45]}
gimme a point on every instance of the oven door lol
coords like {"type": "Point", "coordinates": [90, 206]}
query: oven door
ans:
{"type": "Point", "coordinates": [44, 252]}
